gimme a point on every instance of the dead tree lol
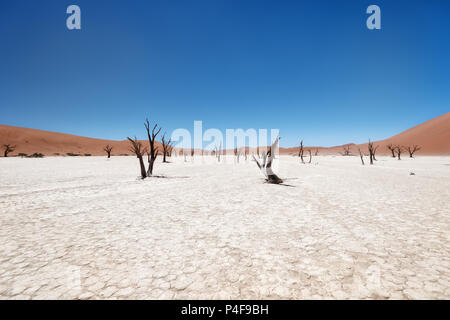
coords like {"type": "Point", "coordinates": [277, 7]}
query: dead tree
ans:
{"type": "Point", "coordinates": [192, 153]}
{"type": "Point", "coordinates": [346, 151]}
{"type": "Point", "coordinates": [167, 148]}
{"type": "Point", "coordinates": [372, 151]}
{"type": "Point", "coordinates": [399, 150]}
{"type": "Point", "coordinates": [362, 156]}
{"type": "Point", "coordinates": [300, 151]}
{"type": "Point", "coordinates": [139, 151]}
{"type": "Point", "coordinates": [266, 165]}
{"type": "Point", "coordinates": [8, 149]}
{"type": "Point", "coordinates": [310, 155]}
{"type": "Point", "coordinates": [108, 150]}
{"type": "Point", "coordinates": [246, 153]}
{"type": "Point", "coordinates": [151, 140]}
{"type": "Point", "coordinates": [316, 153]}
{"type": "Point", "coordinates": [391, 148]}
{"type": "Point", "coordinates": [412, 150]}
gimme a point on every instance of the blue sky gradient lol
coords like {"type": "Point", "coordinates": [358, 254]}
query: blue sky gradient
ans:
{"type": "Point", "coordinates": [309, 68]}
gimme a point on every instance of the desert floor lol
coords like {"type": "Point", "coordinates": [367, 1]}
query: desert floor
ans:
{"type": "Point", "coordinates": [86, 227]}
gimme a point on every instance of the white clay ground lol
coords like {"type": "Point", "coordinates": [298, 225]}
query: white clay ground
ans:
{"type": "Point", "coordinates": [87, 228]}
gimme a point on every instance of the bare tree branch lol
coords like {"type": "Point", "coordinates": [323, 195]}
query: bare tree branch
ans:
{"type": "Point", "coordinates": [413, 149]}
{"type": "Point", "coordinates": [139, 151]}
{"type": "Point", "coordinates": [399, 149]}
{"type": "Point", "coordinates": [362, 156]}
{"type": "Point", "coordinates": [346, 151]}
{"type": "Point", "coordinates": [391, 148]}
{"type": "Point", "coordinates": [266, 165]}
{"type": "Point", "coordinates": [167, 147]}
{"type": "Point", "coordinates": [300, 151]}
{"type": "Point", "coordinates": [108, 150]}
{"type": "Point", "coordinates": [372, 150]}
{"type": "Point", "coordinates": [151, 140]}
{"type": "Point", "coordinates": [8, 149]}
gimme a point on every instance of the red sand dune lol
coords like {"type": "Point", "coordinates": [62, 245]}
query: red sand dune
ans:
{"type": "Point", "coordinates": [433, 136]}
{"type": "Point", "coordinates": [49, 143]}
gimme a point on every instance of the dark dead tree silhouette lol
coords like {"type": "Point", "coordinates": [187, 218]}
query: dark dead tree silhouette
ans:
{"type": "Point", "coordinates": [361, 156]}
{"type": "Point", "coordinates": [310, 155]}
{"type": "Point", "coordinates": [372, 150]}
{"type": "Point", "coordinates": [399, 149]}
{"type": "Point", "coordinates": [346, 151]}
{"type": "Point", "coordinates": [374, 153]}
{"type": "Point", "coordinates": [316, 153]}
{"type": "Point", "coordinates": [391, 148]}
{"type": "Point", "coordinates": [266, 165]}
{"type": "Point", "coordinates": [413, 149]}
{"type": "Point", "coordinates": [300, 151]}
{"type": "Point", "coordinates": [8, 149]}
{"type": "Point", "coordinates": [153, 153]}
{"type": "Point", "coordinates": [108, 150]}
{"type": "Point", "coordinates": [166, 145]}
{"type": "Point", "coordinates": [139, 151]}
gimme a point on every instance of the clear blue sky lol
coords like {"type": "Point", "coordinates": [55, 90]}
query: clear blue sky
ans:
{"type": "Point", "coordinates": [309, 68]}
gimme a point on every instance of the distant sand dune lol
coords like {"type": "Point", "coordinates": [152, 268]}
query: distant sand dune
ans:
{"type": "Point", "coordinates": [433, 136]}
{"type": "Point", "coordinates": [53, 143]}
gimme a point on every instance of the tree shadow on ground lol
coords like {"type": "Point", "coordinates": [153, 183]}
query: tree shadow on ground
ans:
{"type": "Point", "coordinates": [282, 184]}
{"type": "Point", "coordinates": [169, 177]}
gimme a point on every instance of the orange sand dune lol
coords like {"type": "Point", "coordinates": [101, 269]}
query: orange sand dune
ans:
{"type": "Point", "coordinates": [49, 143]}
{"type": "Point", "coordinates": [433, 136]}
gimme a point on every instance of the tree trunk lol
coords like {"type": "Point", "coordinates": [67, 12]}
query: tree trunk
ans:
{"type": "Point", "coordinates": [361, 156]}
{"type": "Point", "coordinates": [150, 167]}
{"type": "Point", "coordinates": [266, 165]}
{"type": "Point", "coordinates": [141, 163]}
